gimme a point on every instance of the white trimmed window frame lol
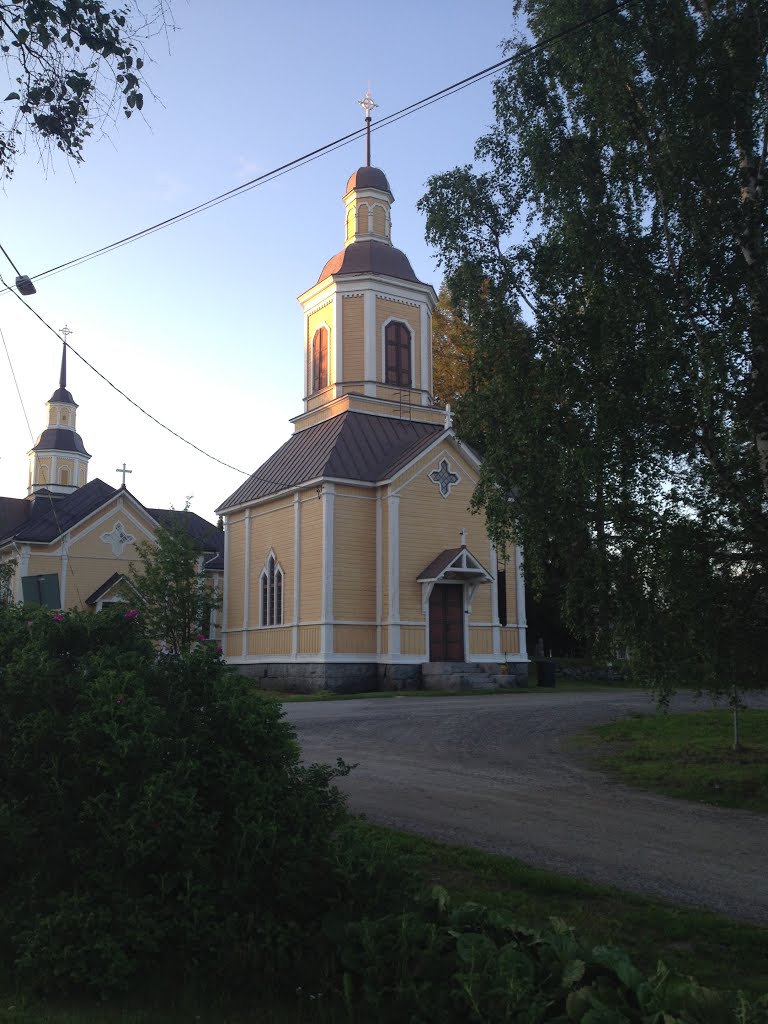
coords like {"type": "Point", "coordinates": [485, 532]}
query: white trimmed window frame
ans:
{"type": "Point", "coordinates": [411, 330]}
{"type": "Point", "coordinates": [271, 577]}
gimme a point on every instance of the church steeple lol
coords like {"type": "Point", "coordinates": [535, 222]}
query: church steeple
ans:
{"type": "Point", "coordinates": [58, 462]}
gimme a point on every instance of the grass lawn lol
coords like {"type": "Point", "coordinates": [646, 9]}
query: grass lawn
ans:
{"type": "Point", "coordinates": [687, 755]}
{"type": "Point", "coordinates": [563, 686]}
{"type": "Point", "coordinates": [718, 952]}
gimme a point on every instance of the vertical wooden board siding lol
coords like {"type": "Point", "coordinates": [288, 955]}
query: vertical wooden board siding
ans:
{"type": "Point", "coordinates": [309, 639]}
{"type": "Point", "coordinates": [233, 644]}
{"type": "Point", "coordinates": [481, 605]}
{"type": "Point", "coordinates": [354, 558]}
{"type": "Point", "coordinates": [268, 642]}
{"type": "Point", "coordinates": [481, 640]}
{"type": "Point", "coordinates": [384, 540]}
{"type": "Point", "coordinates": [355, 640]}
{"type": "Point", "coordinates": [379, 221]}
{"type": "Point", "coordinates": [272, 530]}
{"type": "Point", "coordinates": [509, 644]}
{"type": "Point", "coordinates": [234, 579]}
{"type": "Point", "coordinates": [413, 641]}
{"type": "Point", "coordinates": [310, 596]}
{"type": "Point", "coordinates": [353, 338]}
{"type": "Point", "coordinates": [429, 524]}
{"type": "Point", "coordinates": [388, 309]}
{"type": "Point", "coordinates": [350, 223]}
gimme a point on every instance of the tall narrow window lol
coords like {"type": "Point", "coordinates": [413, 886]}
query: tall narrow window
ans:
{"type": "Point", "coordinates": [64, 476]}
{"type": "Point", "coordinates": [397, 346]}
{"type": "Point", "coordinates": [320, 359]}
{"type": "Point", "coordinates": [501, 593]}
{"type": "Point", "coordinates": [271, 593]}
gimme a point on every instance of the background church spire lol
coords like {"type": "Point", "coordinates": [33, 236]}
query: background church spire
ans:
{"type": "Point", "coordinates": [367, 104]}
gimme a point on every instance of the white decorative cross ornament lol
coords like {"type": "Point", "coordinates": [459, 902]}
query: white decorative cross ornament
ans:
{"type": "Point", "coordinates": [118, 538]}
{"type": "Point", "coordinates": [123, 471]}
{"type": "Point", "coordinates": [444, 478]}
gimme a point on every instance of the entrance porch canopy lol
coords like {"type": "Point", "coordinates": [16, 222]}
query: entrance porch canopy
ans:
{"type": "Point", "coordinates": [454, 565]}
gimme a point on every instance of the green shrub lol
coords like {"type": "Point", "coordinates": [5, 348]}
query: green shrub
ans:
{"type": "Point", "coordinates": [154, 814]}
{"type": "Point", "coordinates": [437, 964]}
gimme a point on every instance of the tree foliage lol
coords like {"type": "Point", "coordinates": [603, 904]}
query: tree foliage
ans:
{"type": "Point", "coordinates": [68, 63]}
{"type": "Point", "coordinates": [452, 350]}
{"type": "Point", "coordinates": [609, 252]}
{"type": "Point", "coordinates": [175, 593]}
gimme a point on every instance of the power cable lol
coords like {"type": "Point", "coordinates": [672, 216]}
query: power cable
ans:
{"type": "Point", "coordinates": [344, 140]}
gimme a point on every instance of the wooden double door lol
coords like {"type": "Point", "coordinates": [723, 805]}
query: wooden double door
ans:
{"type": "Point", "coordinates": [446, 622]}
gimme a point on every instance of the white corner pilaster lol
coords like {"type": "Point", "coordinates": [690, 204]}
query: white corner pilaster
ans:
{"type": "Point", "coordinates": [326, 630]}
{"type": "Point", "coordinates": [369, 342]}
{"type": "Point", "coordinates": [336, 355]}
{"type": "Point", "coordinates": [64, 572]}
{"type": "Point", "coordinates": [296, 572]}
{"type": "Point", "coordinates": [22, 571]}
{"type": "Point", "coordinates": [247, 583]}
{"type": "Point", "coordinates": [495, 630]}
{"type": "Point", "coordinates": [425, 340]}
{"type": "Point", "coordinates": [522, 621]}
{"type": "Point", "coordinates": [394, 573]}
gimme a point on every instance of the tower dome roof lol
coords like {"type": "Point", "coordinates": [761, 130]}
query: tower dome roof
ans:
{"type": "Point", "coordinates": [369, 177]}
{"type": "Point", "coordinates": [62, 395]}
{"type": "Point", "coordinates": [369, 257]}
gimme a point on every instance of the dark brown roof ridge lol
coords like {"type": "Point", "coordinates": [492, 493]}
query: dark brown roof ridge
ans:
{"type": "Point", "coordinates": [369, 257]}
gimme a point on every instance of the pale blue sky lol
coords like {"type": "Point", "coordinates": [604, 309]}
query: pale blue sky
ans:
{"type": "Point", "coordinates": [199, 323]}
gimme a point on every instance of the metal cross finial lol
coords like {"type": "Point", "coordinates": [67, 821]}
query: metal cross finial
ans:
{"type": "Point", "coordinates": [367, 104]}
{"type": "Point", "coordinates": [123, 471]}
{"type": "Point", "coordinates": [66, 332]}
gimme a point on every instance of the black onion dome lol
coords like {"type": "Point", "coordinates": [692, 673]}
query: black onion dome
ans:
{"type": "Point", "coordinates": [369, 177]}
{"type": "Point", "coordinates": [62, 395]}
{"type": "Point", "coordinates": [59, 439]}
{"type": "Point", "coordinates": [369, 257]}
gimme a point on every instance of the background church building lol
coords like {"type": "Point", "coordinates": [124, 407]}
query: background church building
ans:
{"type": "Point", "coordinates": [73, 539]}
{"type": "Point", "coordinates": [351, 557]}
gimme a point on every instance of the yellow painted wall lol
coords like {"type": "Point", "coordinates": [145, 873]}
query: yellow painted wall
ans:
{"type": "Point", "coordinates": [429, 524]}
{"type": "Point", "coordinates": [269, 642]}
{"type": "Point", "coordinates": [387, 309]}
{"type": "Point", "coordinates": [384, 639]}
{"type": "Point", "coordinates": [509, 641]}
{"type": "Point", "coordinates": [350, 223]}
{"type": "Point", "coordinates": [233, 644]}
{"type": "Point", "coordinates": [354, 640]}
{"type": "Point", "coordinates": [272, 528]}
{"type": "Point", "coordinates": [480, 640]}
{"type": "Point", "coordinates": [379, 221]}
{"type": "Point", "coordinates": [321, 317]}
{"type": "Point", "coordinates": [309, 639]}
{"type": "Point", "coordinates": [362, 219]}
{"type": "Point", "coordinates": [352, 338]}
{"type": "Point", "coordinates": [235, 571]}
{"type": "Point", "coordinates": [311, 594]}
{"type": "Point", "coordinates": [413, 641]}
{"type": "Point", "coordinates": [354, 542]}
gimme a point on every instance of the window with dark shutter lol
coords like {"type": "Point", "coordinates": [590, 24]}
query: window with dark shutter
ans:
{"type": "Point", "coordinates": [320, 360]}
{"type": "Point", "coordinates": [397, 354]}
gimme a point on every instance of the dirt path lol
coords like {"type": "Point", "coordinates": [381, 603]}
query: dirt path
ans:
{"type": "Point", "coordinates": [491, 772]}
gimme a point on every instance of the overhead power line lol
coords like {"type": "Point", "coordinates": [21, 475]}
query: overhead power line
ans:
{"type": "Point", "coordinates": [344, 140]}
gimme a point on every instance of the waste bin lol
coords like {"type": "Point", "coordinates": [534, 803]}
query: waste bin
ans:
{"type": "Point", "coordinates": [545, 672]}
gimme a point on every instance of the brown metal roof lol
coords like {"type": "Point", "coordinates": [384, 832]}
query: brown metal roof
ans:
{"type": "Point", "coordinates": [369, 257]}
{"type": "Point", "coordinates": [444, 566]}
{"type": "Point", "coordinates": [350, 446]}
{"type": "Point", "coordinates": [369, 177]}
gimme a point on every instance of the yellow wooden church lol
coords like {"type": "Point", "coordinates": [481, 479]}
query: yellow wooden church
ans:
{"type": "Point", "coordinates": [351, 557]}
{"type": "Point", "coordinates": [72, 540]}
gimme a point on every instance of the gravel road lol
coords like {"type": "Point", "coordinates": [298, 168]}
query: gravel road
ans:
{"type": "Point", "coordinates": [492, 773]}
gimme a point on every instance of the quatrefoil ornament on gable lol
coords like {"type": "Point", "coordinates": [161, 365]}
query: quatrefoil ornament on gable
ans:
{"type": "Point", "coordinates": [118, 538]}
{"type": "Point", "coordinates": [444, 477]}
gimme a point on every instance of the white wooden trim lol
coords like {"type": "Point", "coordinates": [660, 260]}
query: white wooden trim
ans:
{"type": "Point", "coordinates": [520, 601]}
{"type": "Point", "coordinates": [296, 571]}
{"type": "Point", "coordinates": [426, 345]}
{"type": "Point", "coordinates": [495, 624]}
{"type": "Point", "coordinates": [247, 583]}
{"type": "Point", "coordinates": [379, 579]}
{"type": "Point", "coordinates": [326, 632]}
{"type": "Point", "coordinates": [393, 619]}
{"type": "Point", "coordinates": [227, 571]}
{"type": "Point", "coordinates": [369, 342]}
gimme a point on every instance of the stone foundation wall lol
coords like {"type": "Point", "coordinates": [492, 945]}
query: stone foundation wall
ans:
{"type": "Point", "coordinates": [362, 677]}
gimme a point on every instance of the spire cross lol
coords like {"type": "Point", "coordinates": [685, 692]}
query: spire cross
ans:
{"type": "Point", "coordinates": [123, 471]}
{"type": "Point", "coordinates": [66, 332]}
{"type": "Point", "coordinates": [367, 104]}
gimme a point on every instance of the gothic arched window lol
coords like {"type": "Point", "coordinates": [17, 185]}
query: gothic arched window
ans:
{"type": "Point", "coordinates": [320, 359]}
{"type": "Point", "coordinates": [397, 354]}
{"type": "Point", "coordinates": [271, 593]}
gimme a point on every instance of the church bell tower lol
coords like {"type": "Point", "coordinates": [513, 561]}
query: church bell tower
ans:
{"type": "Point", "coordinates": [58, 462]}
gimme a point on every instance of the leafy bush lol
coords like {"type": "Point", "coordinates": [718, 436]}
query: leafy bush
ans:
{"type": "Point", "coordinates": [437, 964]}
{"type": "Point", "coordinates": [154, 813]}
